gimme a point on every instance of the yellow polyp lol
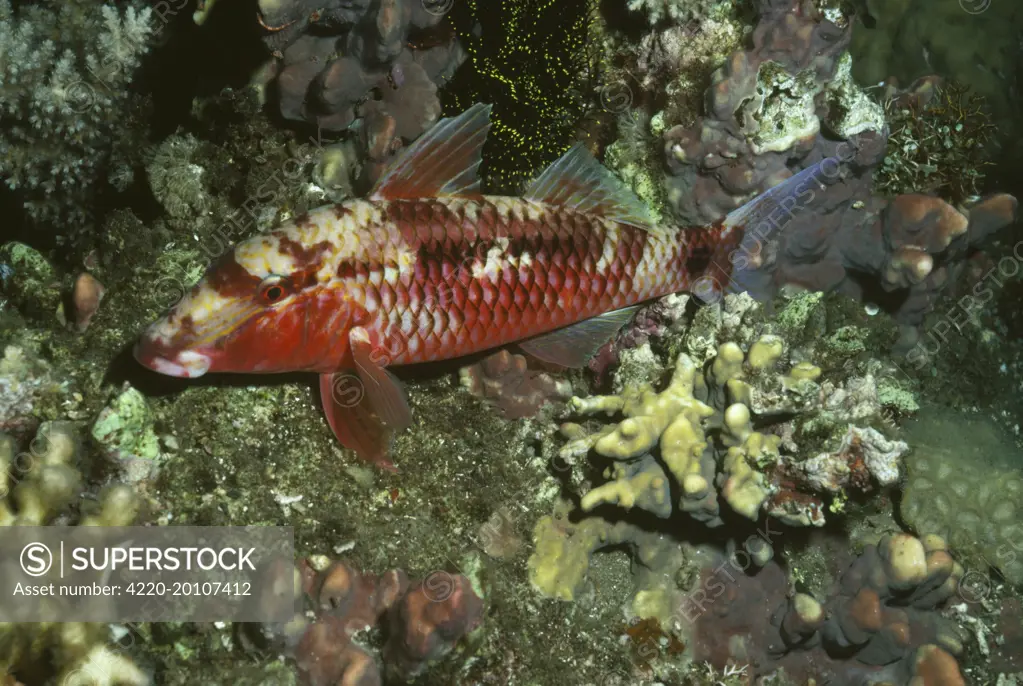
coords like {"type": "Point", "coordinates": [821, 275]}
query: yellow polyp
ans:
{"type": "Point", "coordinates": [738, 424]}
{"type": "Point", "coordinates": [804, 371]}
{"type": "Point", "coordinates": [694, 485]}
{"type": "Point", "coordinates": [727, 364]}
{"type": "Point", "coordinates": [765, 352]}
{"type": "Point", "coordinates": [739, 391]}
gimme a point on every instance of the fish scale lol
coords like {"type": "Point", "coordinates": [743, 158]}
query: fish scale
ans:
{"type": "Point", "coordinates": [546, 277]}
{"type": "Point", "coordinates": [427, 268]}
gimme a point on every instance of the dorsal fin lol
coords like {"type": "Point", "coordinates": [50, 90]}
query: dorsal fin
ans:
{"type": "Point", "coordinates": [579, 181]}
{"type": "Point", "coordinates": [441, 162]}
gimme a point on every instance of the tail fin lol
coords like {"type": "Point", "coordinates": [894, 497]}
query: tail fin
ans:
{"type": "Point", "coordinates": [760, 221]}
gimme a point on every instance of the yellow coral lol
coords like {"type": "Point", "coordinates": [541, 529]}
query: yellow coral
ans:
{"type": "Point", "coordinates": [673, 419]}
{"type": "Point", "coordinates": [677, 420]}
{"type": "Point", "coordinates": [561, 561]}
{"type": "Point", "coordinates": [39, 484]}
{"type": "Point", "coordinates": [745, 489]}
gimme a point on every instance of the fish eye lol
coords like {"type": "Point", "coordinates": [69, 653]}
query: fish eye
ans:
{"type": "Point", "coordinates": [272, 289]}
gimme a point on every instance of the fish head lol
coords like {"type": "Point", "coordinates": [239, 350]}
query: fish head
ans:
{"type": "Point", "coordinates": [264, 306]}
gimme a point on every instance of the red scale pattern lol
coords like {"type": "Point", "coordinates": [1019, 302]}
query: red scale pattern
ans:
{"type": "Point", "coordinates": [543, 274]}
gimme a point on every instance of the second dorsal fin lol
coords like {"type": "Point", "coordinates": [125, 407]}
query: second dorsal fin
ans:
{"type": "Point", "coordinates": [579, 181]}
{"type": "Point", "coordinates": [441, 162]}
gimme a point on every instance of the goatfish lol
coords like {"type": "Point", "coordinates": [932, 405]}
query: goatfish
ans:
{"type": "Point", "coordinates": [427, 268]}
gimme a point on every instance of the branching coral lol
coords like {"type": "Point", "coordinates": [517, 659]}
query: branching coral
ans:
{"type": "Point", "coordinates": [39, 485]}
{"type": "Point", "coordinates": [697, 436]}
{"type": "Point", "coordinates": [789, 103]}
{"type": "Point", "coordinates": [423, 622]}
{"type": "Point", "coordinates": [940, 142]}
{"type": "Point", "coordinates": [64, 103]}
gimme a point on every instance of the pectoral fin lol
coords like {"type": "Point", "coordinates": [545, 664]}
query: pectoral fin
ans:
{"type": "Point", "coordinates": [384, 392]}
{"type": "Point", "coordinates": [365, 406]}
{"type": "Point", "coordinates": [574, 345]}
{"type": "Point", "coordinates": [352, 420]}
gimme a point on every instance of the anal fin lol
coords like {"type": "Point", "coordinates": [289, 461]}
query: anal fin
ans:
{"type": "Point", "coordinates": [573, 346]}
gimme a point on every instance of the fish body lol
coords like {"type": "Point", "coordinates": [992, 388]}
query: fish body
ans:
{"type": "Point", "coordinates": [428, 269]}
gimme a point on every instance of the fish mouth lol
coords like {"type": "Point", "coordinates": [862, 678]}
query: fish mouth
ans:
{"type": "Point", "coordinates": [183, 364]}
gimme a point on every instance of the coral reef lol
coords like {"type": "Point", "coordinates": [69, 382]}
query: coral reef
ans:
{"type": "Point", "coordinates": [789, 103]}
{"type": "Point", "coordinates": [878, 624]}
{"type": "Point", "coordinates": [65, 104]}
{"type": "Point", "coordinates": [335, 63]}
{"type": "Point", "coordinates": [39, 486]}
{"type": "Point", "coordinates": [737, 435]}
{"type": "Point", "coordinates": [792, 408]}
{"type": "Point", "coordinates": [422, 622]}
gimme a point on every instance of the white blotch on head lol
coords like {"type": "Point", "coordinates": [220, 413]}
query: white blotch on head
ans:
{"type": "Point", "coordinates": [261, 256]}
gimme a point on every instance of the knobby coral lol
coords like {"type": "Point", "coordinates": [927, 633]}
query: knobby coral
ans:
{"type": "Point", "coordinates": [380, 62]}
{"type": "Point", "coordinates": [697, 436]}
{"type": "Point", "coordinates": [737, 435]}
{"type": "Point", "coordinates": [788, 103]}
{"type": "Point", "coordinates": [878, 624]}
{"type": "Point", "coordinates": [64, 103]}
{"type": "Point", "coordinates": [422, 622]}
{"type": "Point", "coordinates": [39, 485]}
